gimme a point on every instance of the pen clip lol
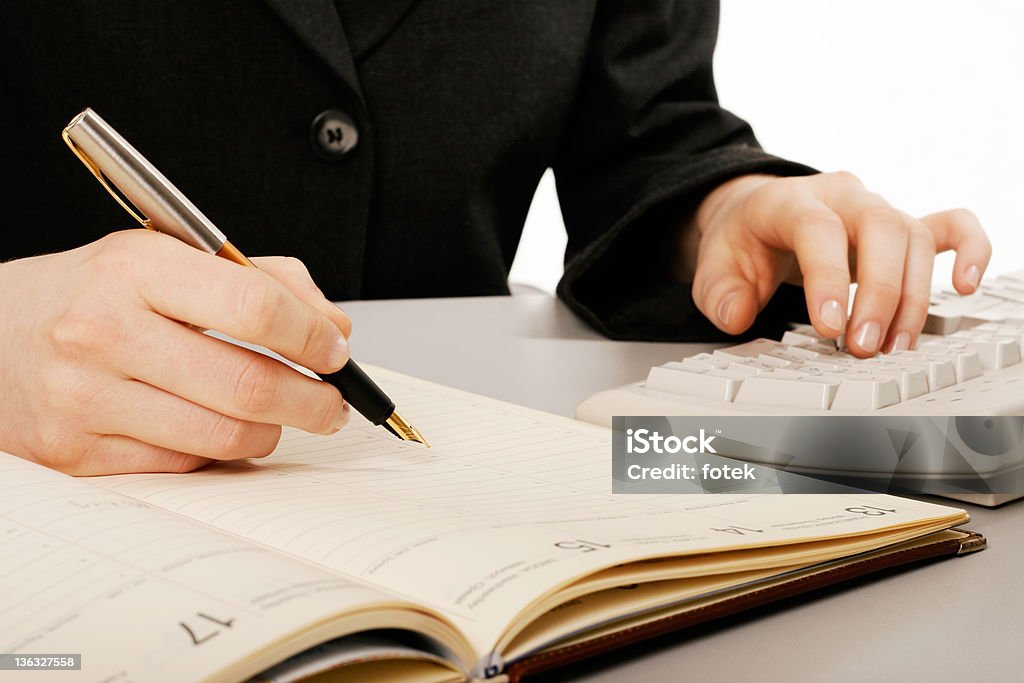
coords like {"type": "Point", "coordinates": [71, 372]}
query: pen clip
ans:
{"type": "Point", "coordinates": [109, 186]}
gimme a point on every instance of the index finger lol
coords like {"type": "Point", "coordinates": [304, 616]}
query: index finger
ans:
{"type": "Point", "coordinates": [294, 275]}
{"type": "Point", "coordinates": [195, 287]}
{"type": "Point", "coordinates": [793, 218]}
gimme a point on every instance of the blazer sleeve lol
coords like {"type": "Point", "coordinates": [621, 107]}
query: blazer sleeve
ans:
{"type": "Point", "coordinates": [646, 141]}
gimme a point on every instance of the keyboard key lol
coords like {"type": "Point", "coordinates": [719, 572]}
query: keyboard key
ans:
{"type": "Point", "coordinates": [806, 336]}
{"type": "Point", "coordinates": [705, 361]}
{"type": "Point", "coordinates": [827, 365]}
{"type": "Point", "coordinates": [800, 353]}
{"type": "Point", "coordinates": [966, 360]}
{"type": "Point", "coordinates": [1003, 311]}
{"type": "Point", "coordinates": [1017, 275]}
{"type": "Point", "coordinates": [787, 373]}
{"type": "Point", "coordinates": [911, 381]}
{"type": "Point", "coordinates": [995, 352]}
{"type": "Point", "coordinates": [807, 392]}
{"type": "Point", "coordinates": [1008, 291]}
{"type": "Point", "coordinates": [949, 309]}
{"type": "Point", "coordinates": [676, 378]}
{"type": "Point", "coordinates": [1003, 328]}
{"type": "Point", "coordinates": [940, 369]}
{"type": "Point", "coordinates": [795, 338]}
{"type": "Point", "coordinates": [750, 366]}
{"type": "Point", "coordinates": [764, 350]}
{"type": "Point", "coordinates": [867, 393]}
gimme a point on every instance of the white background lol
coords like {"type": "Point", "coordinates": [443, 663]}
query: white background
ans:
{"type": "Point", "coordinates": [923, 99]}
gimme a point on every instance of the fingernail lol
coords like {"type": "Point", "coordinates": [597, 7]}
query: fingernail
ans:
{"type": "Point", "coordinates": [831, 314]}
{"type": "Point", "coordinates": [973, 276]}
{"type": "Point", "coordinates": [339, 352]}
{"type": "Point", "coordinates": [901, 342]}
{"type": "Point", "coordinates": [725, 307]}
{"type": "Point", "coordinates": [342, 418]}
{"type": "Point", "coordinates": [867, 336]}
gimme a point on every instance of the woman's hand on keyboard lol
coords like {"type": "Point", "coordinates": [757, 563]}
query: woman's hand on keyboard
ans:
{"type": "Point", "coordinates": [102, 369]}
{"type": "Point", "coordinates": [754, 232]}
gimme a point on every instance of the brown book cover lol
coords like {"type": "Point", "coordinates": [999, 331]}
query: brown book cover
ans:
{"type": "Point", "coordinates": [940, 545]}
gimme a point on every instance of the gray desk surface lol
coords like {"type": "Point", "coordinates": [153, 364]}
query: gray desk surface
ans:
{"type": "Point", "coordinates": [958, 619]}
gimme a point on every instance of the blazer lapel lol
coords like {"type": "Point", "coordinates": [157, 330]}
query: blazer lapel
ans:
{"type": "Point", "coordinates": [318, 26]}
{"type": "Point", "coordinates": [371, 22]}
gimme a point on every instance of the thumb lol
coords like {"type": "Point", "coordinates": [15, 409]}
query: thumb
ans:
{"type": "Point", "coordinates": [724, 290]}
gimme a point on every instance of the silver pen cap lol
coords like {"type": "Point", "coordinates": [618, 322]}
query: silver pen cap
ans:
{"type": "Point", "coordinates": [136, 184]}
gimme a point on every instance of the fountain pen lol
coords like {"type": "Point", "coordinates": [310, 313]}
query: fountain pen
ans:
{"type": "Point", "coordinates": [155, 203]}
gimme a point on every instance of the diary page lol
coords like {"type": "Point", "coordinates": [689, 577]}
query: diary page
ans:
{"type": "Point", "coordinates": [142, 594]}
{"type": "Point", "coordinates": [507, 504]}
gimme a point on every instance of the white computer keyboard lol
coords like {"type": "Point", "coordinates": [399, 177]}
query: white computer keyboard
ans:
{"type": "Point", "coordinates": [968, 362]}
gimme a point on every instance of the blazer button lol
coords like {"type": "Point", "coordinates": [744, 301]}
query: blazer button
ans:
{"type": "Point", "coordinates": [333, 135]}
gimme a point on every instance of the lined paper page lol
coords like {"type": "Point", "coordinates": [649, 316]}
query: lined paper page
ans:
{"type": "Point", "coordinates": [506, 505]}
{"type": "Point", "coordinates": [140, 593]}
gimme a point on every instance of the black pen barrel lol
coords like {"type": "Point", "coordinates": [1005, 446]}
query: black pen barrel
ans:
{"type": "Point", "coordinates": [361, 392]}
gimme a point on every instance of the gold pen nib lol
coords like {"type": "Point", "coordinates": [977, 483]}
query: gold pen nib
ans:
{"type": "Point", "coordinates": [403, 430]}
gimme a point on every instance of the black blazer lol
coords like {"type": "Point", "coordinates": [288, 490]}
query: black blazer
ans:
{"type": "Point", "coordinates": [442, 116]}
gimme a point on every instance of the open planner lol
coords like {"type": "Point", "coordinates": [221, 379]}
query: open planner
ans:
{"type": "Point", "coordinates": [495, 554]}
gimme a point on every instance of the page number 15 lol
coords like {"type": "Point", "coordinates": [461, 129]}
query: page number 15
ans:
{"type": "Point", "coordinates": [582, 546]}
